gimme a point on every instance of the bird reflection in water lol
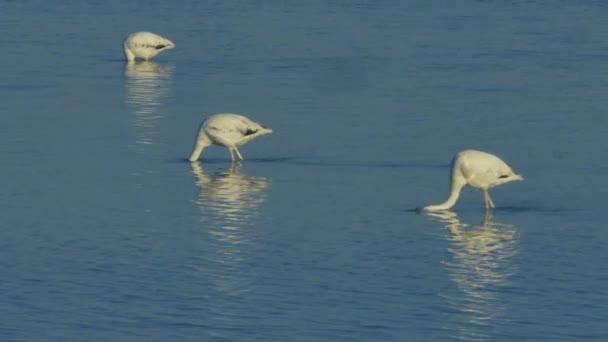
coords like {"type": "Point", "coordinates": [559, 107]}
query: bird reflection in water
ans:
{"type": "Point", "coordinates": [148, 84]}
{"type": "Point", "coordinates": [228, 200]}
{"type": "Point", "coordinates": [480, 264]}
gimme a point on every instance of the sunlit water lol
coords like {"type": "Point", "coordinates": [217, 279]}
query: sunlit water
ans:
{"type": "Point", "coordinates": [108, 233]}
{"type": "Point", "coordinates": [148, 84]}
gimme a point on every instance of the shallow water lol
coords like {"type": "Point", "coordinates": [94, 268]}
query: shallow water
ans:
{"type": "Point", "coordinates": [109, 233]}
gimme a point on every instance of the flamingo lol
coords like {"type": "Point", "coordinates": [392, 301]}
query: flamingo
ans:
{"type": "Point", "coordinates": [228, 130]}
{"type": "Point", "coordinates": [145, 45]}
{"type": "Point", "coordinates": [479, 170]}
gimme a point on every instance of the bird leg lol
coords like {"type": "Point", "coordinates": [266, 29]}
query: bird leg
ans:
{"type": "Point", "coordinates": [231, 154]}
{"type": "Point", "coordinates": [488, 200]}
{"type": "Point", "coordinates": [485, 199]}
{"type": "Point", "coordinates": [238, 153]}
{"type": "Point", "coordinates": [487, 219]}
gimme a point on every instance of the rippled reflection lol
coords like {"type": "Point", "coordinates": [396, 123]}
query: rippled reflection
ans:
{"type": "Point", "coordinates": [480, 265]}
{"type": "Point", "coordinates": [228, 200]}
{"type": "Point", "coordinates": [148, 84]}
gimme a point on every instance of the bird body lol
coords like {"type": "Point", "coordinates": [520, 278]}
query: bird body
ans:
{"type": "Point", "coordinates": [145, 45]}
{"type": "Point", "coordinates": [479, 170]}
{"type": "Point", "coordinates": [228, 130]}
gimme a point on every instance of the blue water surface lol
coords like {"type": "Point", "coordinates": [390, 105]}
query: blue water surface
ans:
{"type": "Point", "coordinates": [108, 233]}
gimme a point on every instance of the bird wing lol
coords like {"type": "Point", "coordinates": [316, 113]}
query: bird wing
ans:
{"type": "Point", "coordinates": [228, 130]}
{"type": "Point", "coordinates": [149, 40]}
{"type": "Point", "coordinates": [493, 175]}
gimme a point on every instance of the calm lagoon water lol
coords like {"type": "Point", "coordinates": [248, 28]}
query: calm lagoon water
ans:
{"type": "Point", "coordinates": [108, 233]}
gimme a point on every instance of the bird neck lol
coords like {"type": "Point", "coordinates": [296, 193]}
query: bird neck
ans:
{"type": "Point", "coordinates": [202, 141]}
{"type": "Point", "coordinates": [455, 187]}
{"type": "Point", "coordinates": [129, 55]}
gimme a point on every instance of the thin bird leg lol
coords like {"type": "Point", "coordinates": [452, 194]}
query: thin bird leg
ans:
{"type": "Point", "coordinates": [485, 199]}
{"type": "Point", "coordinates": [231, 154]}
{"type": "Point", "coordinates": [238, 153]}
{"type": "Point", "coordinates": [490, 200]}
{"type": "Point", "coordinates": [487, 220]}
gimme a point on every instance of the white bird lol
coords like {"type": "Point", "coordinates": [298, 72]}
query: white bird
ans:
{"type": "Point", "coordinates": [479, 170]}
{"type": "Point", "coordinates": [228, 130]}
{"type": "Point", "coordinates": [145, 45]}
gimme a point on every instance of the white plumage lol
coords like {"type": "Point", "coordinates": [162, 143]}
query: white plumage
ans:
{"type": "Point", "coordinates": [228, 130]}
{"type": "Point", "coordinates": [479, 170]}
{"type": "Point", "coordinates": [145, 45]}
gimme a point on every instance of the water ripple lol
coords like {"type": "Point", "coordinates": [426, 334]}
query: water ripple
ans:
{"type": "Point", "coordinates": [480, 263]}
{"type": "Point", "coordinates": [148, 84]}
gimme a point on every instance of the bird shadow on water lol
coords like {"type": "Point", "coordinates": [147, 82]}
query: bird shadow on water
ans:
{"type": "Point", "coordinates": [227, 162]}
{"type": "Point", "coordinates": [324, 162]}
{"type": "Point", "coordinates": [360, 164]}
{"type": "Point", "coordinates": [515, 209]}
{"type": "Point", "coordinates": [534, 208]}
